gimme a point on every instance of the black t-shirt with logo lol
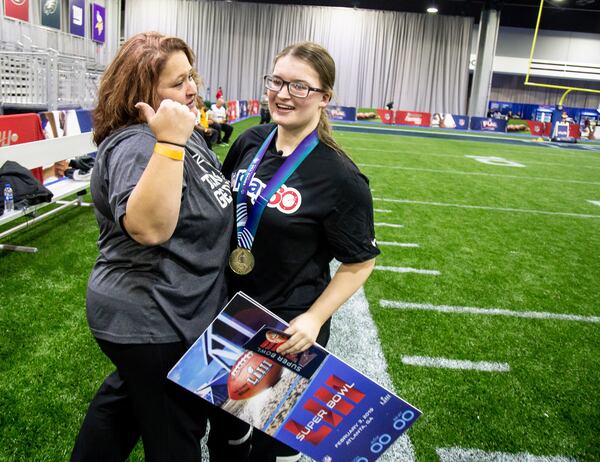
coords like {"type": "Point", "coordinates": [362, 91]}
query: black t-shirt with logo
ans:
{"type": "Point", "coordinates": [322, 211]}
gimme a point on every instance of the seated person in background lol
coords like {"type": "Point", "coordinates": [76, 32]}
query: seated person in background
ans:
{"type": "Point", "coordinates": [202, 124]}
{"type": "Point", "coordinates": [265, 115]}
{"type": "Point", "coordinates": [219, 117]}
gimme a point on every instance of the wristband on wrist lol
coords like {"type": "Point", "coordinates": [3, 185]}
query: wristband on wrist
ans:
{"type": "Point", "coordinates": [170, 142]}
{"type": "Point", "coordinates": [166, 151]}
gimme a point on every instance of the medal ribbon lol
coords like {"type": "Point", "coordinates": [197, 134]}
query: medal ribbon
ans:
{"type": "Point", "coordinates": [248, 223]}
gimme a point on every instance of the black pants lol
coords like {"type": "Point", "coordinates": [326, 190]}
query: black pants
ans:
{"type": "Point", "coordinates": [225, 128]}
{"type": "Point", "coordinates": [138, 400]}
{"type": "Point", "coordinates": [265, 116]}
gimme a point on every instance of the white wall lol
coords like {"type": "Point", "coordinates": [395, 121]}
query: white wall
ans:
{"type": "Point", "coordinates": [514, 46]}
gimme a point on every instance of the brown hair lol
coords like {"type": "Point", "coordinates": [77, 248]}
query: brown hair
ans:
{"type": "Point", "coordinates": [322, 62]}
{"type": "Point", "coordinates": [132, 77]}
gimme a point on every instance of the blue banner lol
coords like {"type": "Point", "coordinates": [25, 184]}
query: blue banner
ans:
{"type": "Point", "coordinates": [488, 124]}
{"type": "Point", "coordinates": [98, 23]}
{"type": "Point", "coordinates": [341, 113]}
{"type": "Point", "coordinates": [243, 109]}
{"type": "Point", "coordinates": [77, 17]}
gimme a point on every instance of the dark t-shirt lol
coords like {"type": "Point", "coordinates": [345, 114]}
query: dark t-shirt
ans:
{"type": "Point", "coordinates": [172, 291]}
{"type": "Point", "coordinates": [323, 211]}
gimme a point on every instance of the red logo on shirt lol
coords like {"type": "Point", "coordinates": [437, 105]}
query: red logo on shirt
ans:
{"type": "Point", "coordinates": [287, 200]}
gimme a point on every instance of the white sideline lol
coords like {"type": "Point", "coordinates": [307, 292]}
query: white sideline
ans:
{"type": "Point", "coordinates": [445, 363]}
{"type": "Point", "coordinates": [476, 455]}
{"type": "Point", "coordinates": [460, 172]}
{"type": "Point", "coordinates": [486, 311]}
{"type": "Point", "coordinates": [354, 339]}
{"type": "Point", "coordinates": [401, 269]}
{"type": "Point", "coordinates": [485, 207]}
{"type": "Point", "coordinates": [382, 210]}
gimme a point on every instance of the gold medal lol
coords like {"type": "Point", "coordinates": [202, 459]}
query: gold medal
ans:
{"type": "Point", "coordinates": [241, 261]}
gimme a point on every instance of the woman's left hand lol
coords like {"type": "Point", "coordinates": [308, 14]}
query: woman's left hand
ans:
{"type": "Point", "coordinates": [303, 332]}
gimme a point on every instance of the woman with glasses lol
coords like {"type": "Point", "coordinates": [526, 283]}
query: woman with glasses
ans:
{"type": "Point", "coordinates": [300, 203]}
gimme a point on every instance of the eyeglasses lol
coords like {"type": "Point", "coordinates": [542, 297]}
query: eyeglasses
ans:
{"type": "Point", "coordinates": [297, 89]}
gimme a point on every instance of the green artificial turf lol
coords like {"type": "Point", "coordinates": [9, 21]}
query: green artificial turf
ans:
{"type": "Point", "coordinates": [520, 259]}
{"type": "Point", "coordinates": [517, 258]}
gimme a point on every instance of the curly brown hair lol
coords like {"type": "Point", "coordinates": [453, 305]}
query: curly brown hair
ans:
{"type": "Point", "coordinates": [132, 77]}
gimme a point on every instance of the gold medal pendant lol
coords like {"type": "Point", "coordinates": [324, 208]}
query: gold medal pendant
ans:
{"type": "Point", "coordinates": [241, 261]}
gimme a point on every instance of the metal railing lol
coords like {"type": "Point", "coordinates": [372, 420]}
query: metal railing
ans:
{"type": "Point", "coordinates": [47, 78]}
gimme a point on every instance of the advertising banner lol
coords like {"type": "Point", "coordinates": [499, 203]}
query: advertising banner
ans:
{"type": "Point", "coordinates": [539, 129]}
{"type": "Point", "coordinates": [386, 116]}
{"type": "Point", "coordinates": [77, 17]}
{"type": "Point", "coordinates": [447, 120]}
{"type": "Point", "coordinates": [253, 107]}
{"type": "Point", "coordinates": [50, 13]}
{"type": "Point", "coordinates": [17, 9]}
{"type": "Point", "coordinates": [341, 113]}
{"type": "Point", "coordinates": [311, 401]}
{"type": "Point", "coordinates": [98, 23]}
{"type": "Point", "coordinates": [243, 109]}
{"type": "Point", "coordinates": [420, 119]}
{"type": "Point", "coordinates": [488, 124]}
{"type": "Point", "coordinates": [233, 110]}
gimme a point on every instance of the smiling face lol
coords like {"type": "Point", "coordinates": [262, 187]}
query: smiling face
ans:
{"type": "Point", "coordinates": [176, 81]}
{"type": "Point", "coordinates": [290, 112]}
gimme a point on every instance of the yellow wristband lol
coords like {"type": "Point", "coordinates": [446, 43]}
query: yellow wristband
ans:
{"type": "Point", "coordinates": [171, 153]}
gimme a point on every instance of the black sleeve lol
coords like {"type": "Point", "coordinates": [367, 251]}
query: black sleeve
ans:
{"type": "Point", "coordinates": [252, 137]}
{"type": "Point", "coordinates": [349, 228]}
{"type": "Point", "coordinates": [233, 157]}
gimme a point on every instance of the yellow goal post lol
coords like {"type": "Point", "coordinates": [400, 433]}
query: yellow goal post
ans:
{"type": "Point", "coordinates": [555, 66]}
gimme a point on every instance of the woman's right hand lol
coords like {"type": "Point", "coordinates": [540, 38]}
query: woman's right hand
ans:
{"type": "Point", "coordinates": [173, 122]}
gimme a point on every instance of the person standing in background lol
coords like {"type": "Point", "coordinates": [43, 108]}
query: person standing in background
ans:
{"type": "Point", "coordinates": [219, 93]}
{"type": "Point", "coordinates": [265, 115]}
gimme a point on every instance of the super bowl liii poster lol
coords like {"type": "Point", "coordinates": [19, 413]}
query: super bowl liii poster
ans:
{"type": "Point", "coordinates": [311, 401]}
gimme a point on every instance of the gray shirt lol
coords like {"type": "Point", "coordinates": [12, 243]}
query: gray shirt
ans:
{"type": "Point", "coordinates": [172, 291]}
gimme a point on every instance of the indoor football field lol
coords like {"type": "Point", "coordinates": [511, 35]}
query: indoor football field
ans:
{"type": "Point", "coordinates": [484, 302]}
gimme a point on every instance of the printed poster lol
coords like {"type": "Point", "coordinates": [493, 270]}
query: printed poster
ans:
{"type": "Point", "coordinates": [17, 9]}
{"type": "Point", "coordinates": [50, 13]}
{"type": "Point", "coordinates": [77, 17]}
{"type": "Point", "coordinates": [98, 23]}
{"type": "Point", "coordinates": [311, 401]}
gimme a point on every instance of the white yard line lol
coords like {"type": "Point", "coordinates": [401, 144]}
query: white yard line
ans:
{"type": "Point", "coordinates": [476, 455]}
{"type": "Point", "coordinates": [459, 172]}
{"type": "Point", "coordinates": [486, 311]}
{"type": "Point", "coordinates": [484, 207]}
{"type": "Point", "coordinates": [397, 244]}
{"type": "Point", "coordinates": [389, 225]}
{"type": "Point", "coordinates": [382, 210]}
{"type": "Point", "coordinates": [595, 203]}
{"type": "Point", "coordinates": [451, 156]}
{"type": "Point", "coordinates": [571, 154]}
{"type": "Point", "coordinates": [400, 269]}
{"type": "Point", "coordinates": [445, 363]}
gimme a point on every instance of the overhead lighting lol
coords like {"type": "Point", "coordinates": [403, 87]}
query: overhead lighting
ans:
{"type": "Point", "coordinates": [432, 10]}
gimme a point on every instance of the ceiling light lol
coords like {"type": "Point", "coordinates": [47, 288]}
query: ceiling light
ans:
{"type": "Point", "coordinates": [432, 10]}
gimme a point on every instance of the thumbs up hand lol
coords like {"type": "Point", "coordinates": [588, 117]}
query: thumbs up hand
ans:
{"type": "Point", "coordinates": [172, 122]}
